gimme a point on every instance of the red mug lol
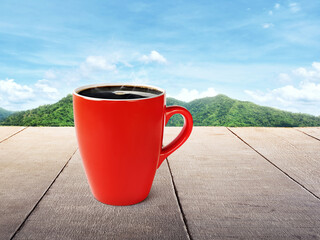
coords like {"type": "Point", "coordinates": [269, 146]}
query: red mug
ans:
{"type": "Point", "coordinates": [120, 140]}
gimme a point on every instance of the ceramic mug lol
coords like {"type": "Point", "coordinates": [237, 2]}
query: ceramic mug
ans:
{"type": "Point", "coordinates": [120, 139]}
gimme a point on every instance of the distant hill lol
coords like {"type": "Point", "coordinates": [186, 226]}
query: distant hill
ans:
{"type": "Point", "coordinates": [4, 113]}
{"type": "Point", "coordinates": [211, 111]}
{"type": "Point", "coordinates": [224, 111]}
{"type": "Point", "coordinates": [57, 114]}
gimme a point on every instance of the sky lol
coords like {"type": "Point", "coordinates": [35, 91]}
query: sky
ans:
{"type": "Point", "coordinates": [266, 52]}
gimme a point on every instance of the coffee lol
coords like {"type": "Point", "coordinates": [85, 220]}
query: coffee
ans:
{"type": "Point", "coordinates": [120, 92]}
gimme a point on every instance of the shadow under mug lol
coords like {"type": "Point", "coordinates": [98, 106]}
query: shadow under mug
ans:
{"type": "Point", "coordinates": [120, 141]}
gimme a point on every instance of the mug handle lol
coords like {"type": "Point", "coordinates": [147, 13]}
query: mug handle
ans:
{"type": "Point", "coordinates": [183, 135]}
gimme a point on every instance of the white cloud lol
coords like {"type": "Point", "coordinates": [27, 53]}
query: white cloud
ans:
{"type": "Point", "coordinates": [312, 74]}
{"type": "Point", "coordinates": [305, 97]}
{"type": "Point", "coordinates": [294, 7]}
{"type": "Point", "coordinates": [99, 62]}
{"type": "Point", "coordinates": [277, 6]}
{"type": "Point", "coordinates": [42, 87]}
{"type": "Point", "coordinates": [189, 95]}
{"type": "Point", "coordinates": [316, 66]}
{"type": "Point", "coordinates": [306, 92]}
{"type": "Point", "coordinates": [10, 91]}
{"type": "Point", "coordinates": [270, 13]}
{"type": "Point", "coordinates": [284, 78]}
{"type": "Point", "coordinates": [15, 96]}
{"type": "Point", "coordinates": [154, 56]}
{"type": "Point", "coordinates": [267, 25]}
{"type": "Point", "coordinates": [93, 67]}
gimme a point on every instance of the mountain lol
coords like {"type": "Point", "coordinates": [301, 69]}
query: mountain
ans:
{"type": "Point", "coordinates": [224, 111]}
{"type": "Point", "coordinates": [4, 113]}
{"type": "Point", "coordinates": [57, 114]}
{"type": "Point", "coordinates": [210, 111]}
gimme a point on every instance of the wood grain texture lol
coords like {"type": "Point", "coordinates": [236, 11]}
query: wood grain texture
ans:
{"type": "Point", "coordinates": [29, 161]}
{"type": "Point", "coordinates": [314, 131]}
{"type": "Point", "coordinates": [69, 211]}
{"type": "Point", "coordinates": [295, 153]}
{"type": "Point", "coordinates": [228, 191]}
{"type": "Point", "coordinates": [6, 132]}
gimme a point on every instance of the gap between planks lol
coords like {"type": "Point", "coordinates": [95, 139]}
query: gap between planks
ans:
{"type": "Point", "coordinates": [300, 184]}
{"type": "Point", "coordinates": [306, 134]}
{"type": "Point", "coordinates": [172, 180]}
{"type": "Point", "coordinates": [13, 134]}
{"type": "Point", "coordinates": [179, 203]}
{"type": "Point", "coordinates": [45, 192]}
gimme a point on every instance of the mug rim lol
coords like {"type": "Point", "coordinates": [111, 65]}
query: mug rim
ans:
{"type": "Point", "coordinates": [77, 90]}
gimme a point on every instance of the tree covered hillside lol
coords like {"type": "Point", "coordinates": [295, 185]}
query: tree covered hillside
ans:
{"type": "Point", "coordinates": [4, 113]}
{"type": "Point", "coordinates": [211, 111]}
{"type": "Point", "coordinates": [57, 114]}
{"type": "Point", "coordinates": [224, 111]}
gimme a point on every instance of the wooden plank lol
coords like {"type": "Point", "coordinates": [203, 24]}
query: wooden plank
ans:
{"type": "Point", "coordinates": [6, 132]}
{"type": "Point", "coordinates": [228, 191]}
{"type": "Point", "coordinates": [29, 162]}
{"type": "Point", "coordinates": [69, 211]}
{"type": "Point", "coordinates": [295, 153]}
{"type": "Point", "coordinates": [312, 131]}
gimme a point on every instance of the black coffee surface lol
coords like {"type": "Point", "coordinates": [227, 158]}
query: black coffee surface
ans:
{"type": "Point", "coordinates": [120, 92]}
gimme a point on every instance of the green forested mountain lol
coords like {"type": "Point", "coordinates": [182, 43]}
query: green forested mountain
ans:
{"type": "Point", "coordinates": [224, 111]}
{"type": "Point", "coordinates": [4, 113]}
{"type": "Point", "coordinates": [57, 114]}
{"type": "Point", "coordinates": [211, 111]}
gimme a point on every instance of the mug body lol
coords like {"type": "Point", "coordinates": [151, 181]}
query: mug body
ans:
{"type": "Point", "coordinates": [120, 141]}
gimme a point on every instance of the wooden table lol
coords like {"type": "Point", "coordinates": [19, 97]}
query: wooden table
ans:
{"type": "Point", "coordinates": [223, 183]}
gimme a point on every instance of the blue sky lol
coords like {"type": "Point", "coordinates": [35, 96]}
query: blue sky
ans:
{"type": "Point", "coordinates": [267, 52]}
